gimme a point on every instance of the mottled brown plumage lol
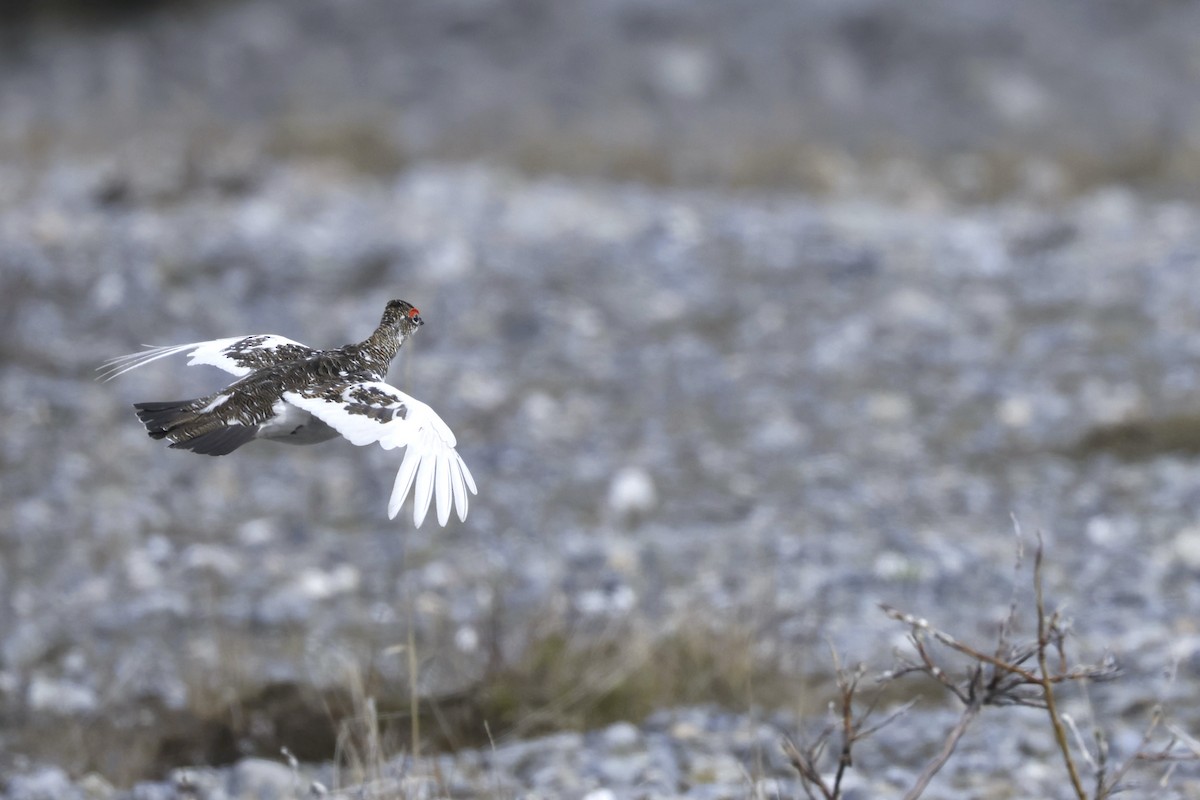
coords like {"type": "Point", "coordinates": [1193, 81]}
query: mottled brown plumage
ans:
{"type": "Point", "coordinates": [209, 424]}
{"type": "Point", "coordinates": [289, 392]}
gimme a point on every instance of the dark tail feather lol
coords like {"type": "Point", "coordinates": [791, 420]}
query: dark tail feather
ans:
{"type": "Point", "coordinates": [188, 428]}
{"type": "Point", "coordinates": [218, 442]}
{"type": "Point", "coordinates": [161, 418]}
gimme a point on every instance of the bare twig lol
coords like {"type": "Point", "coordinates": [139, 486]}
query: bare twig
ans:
{"type": "Point", "coordinates": [968, 716]}
{"type": "Point", "coordinates": [1189, 742]}
{"type": "Point", "coordinates": [1025, 674]}
{"type": "Point", "coordinates": [804, 762]}
{"type": "Point", "coordinates": [1047, 631]}
{"type": "Point", "coordinates": [1008, 674]}
{"type": "Point", "coordinates": [852, 728]}
{"type": "Point", "coordinates": [847, 685]}
{"type": "Point", "coordinates": [1106, 788]}
{"type": "Point", "coordinates": [1092, 761]}
{"type": "Point", "coordinates": [1006, 625]}
{"type": "Point", "coordinates": [1103, 671]}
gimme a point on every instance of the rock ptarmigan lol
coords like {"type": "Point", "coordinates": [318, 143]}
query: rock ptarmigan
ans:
{"type": "Point", "coordinates": [288, 392]}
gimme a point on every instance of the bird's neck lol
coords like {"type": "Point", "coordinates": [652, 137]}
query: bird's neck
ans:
{"type": "Point", "coordinates": [380, 348]}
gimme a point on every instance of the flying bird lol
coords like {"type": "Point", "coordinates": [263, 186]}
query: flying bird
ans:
{"type": "Point", "coordinates": [288, 392]}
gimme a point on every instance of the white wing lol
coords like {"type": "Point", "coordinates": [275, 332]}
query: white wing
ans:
{"type": "Point", "coordinates": [239, 355]}
{"type": "Point", "coordinates": [372, 411]}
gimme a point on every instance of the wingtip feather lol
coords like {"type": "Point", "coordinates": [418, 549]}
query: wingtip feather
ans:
{"type": "Point", "coordinates": [443, 489]}
{"type": "Point", "coordinates": [403, 484]}
{"type": "Point", "coordinates": [459, 487]}
{"type": "Point", "coordinates": [424, 490]}
{"type": "Point", "coordinates": [468, 477]}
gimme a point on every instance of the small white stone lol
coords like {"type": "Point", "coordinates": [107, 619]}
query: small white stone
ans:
{"type": "Point", "coordinates": [1015, 412]}
{"type": "Point", "coordinates": [622, 737]}
{"type": "Point", "coordinates": [320, 584]}
{"type": "Point", "coordinates": [684, 71]}
{"type": "Point", "coordinates": [632, 492]}
{"type": "Point", "coordinates": [591, 602]}
{"type": "Point", "coordinates": [541, 408]}
{"type": "Point", "coordinates": [1187, 547]}
{"type": "Point", "coordinates": [95, 787]}
{"type": "Point", "coordinates": [141, 571]}
{"type": "Point", "coordinates": [256, 532]}
{"type": "Point", "coordinates": [889, 407]}
{"type": "Point", "coordinates": [466, 639]}
{"type": "Point", "coordinates": [53, 696]}
{"type": "Point", "coordinates": [203, 557]}
{"type": "Point", "coordinates": [624, 598]}
{"type": "Point", "coordinates": [686, 730]}
{"type": "Point", "coordinates": [1101, 531]}
{"type": "Point", "coordinates": [890, 565]}
{"type": "Point", "coordinates": [715, 768]}
{"type": "Point", "coordinates": [1018, 97]}
{"type": "Point", "coordinates": [257, 777]}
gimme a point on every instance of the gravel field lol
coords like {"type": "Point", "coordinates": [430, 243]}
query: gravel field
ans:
{"type": "Point", "coordinates": [715, 421]}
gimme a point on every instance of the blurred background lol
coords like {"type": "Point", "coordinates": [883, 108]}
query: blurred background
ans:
{"type": "Point", "coordinates": [748, 317]}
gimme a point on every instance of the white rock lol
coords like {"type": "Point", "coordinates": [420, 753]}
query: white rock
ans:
{"type": "Point", "coordinates": [255, 778]}
{"type": "Point", "coordinates": [622, 737]}
{"type": "Point", "coordinates": [320, 584]}
{"type": "Point", "coordinates": [684, 71]}
{"type": "Point", "coordinates": [53, 696]}
{"type": "Point", "coordinates": [1016, 411]}
{"type": "Point", "coordinates": [1187, 547]}
{"type": "Point", "coordinates": [141, 571]}
{"type": "Point", "coordinates": [466, 639]}
{"type": "Point", "coordinates": [218, 560]}
{"type": "Point", "coordinates": [889, 407]}
{"type": "Point", "coordinates": [95, 787]}
{"type": "Point", "coordinates": [632, 492]}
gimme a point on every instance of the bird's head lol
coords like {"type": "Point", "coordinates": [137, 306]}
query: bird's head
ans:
{"type": "Point", "coordinates": [401, 316]}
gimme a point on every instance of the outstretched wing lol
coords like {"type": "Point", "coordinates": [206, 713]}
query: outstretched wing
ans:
{"type": "Point", "coordinates": [372, 411]}
{"type": "Point", "coordinates": [239, 355]}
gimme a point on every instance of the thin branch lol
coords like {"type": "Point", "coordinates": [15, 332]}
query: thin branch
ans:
{"type": "Point", "coordinates": [939, 761]}
{"type": "Point", "coordinates": [1069, 721]}
{"type": "Point", "coordinates": [810, 776]}
{"type": "Point", "coordinates": [1102, 758]}
{"type": "Point", "coordinates": [1011, 674]}
{"type": "Point", "coordinates": [1060, 734]}
{"type": "Point", "coordinates": [1006, 626]}
{"type": "Point", "coordinates": [851, 729]}
{"type": "Point", "coordinates": [1118, 775]}
{"type": "Point", "coordinates": [848, 685]}
{"type": "Point", "coordinates": [888, 720]}
{"type": "Point", "coordinates": [1098, 672]}
{"type": "Point", "coordinates": [1186, 739]}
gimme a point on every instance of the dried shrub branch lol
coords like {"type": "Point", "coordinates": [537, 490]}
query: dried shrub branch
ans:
{"type": "Point", "coordinates": [850, 729]}
{"type": "Point", "coordinates": [1012, 673]}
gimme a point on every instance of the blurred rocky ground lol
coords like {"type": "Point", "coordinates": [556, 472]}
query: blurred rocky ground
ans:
{"type": "Point", "coordinates": [922, 101]}
{"type": "Point", "coordinates": [748, 318]}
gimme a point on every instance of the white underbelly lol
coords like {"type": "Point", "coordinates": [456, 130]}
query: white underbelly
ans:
{"type": "Point", "coordinates": [294, 426]}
